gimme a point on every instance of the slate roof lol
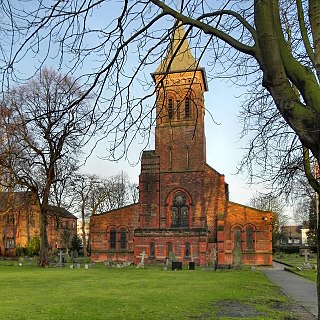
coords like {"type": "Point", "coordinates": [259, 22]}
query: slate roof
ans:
{"type": "Point", "coordinates": [19, 199]}
{"type": "Point", "coordinates": [61, 212]}
{"type": "Point", "coordinates": [14, 199]}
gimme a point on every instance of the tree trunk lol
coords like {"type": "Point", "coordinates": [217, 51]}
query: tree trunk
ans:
{"type": "Point", "coordinates": [318, 255]}
{"type": "Point", "coordinates": [43, 254]}
{"type": "Point", "coordinates": [83, 229]}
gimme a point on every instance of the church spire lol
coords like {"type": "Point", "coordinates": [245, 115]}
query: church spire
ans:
{"type": "Point", "coordinates": [179, 57]}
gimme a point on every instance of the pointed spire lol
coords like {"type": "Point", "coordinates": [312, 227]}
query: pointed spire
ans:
{"type": "Point", "coordinates": [179, 57]}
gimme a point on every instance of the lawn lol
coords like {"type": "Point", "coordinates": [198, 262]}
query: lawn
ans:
{"type": "Point", "coordinates": [129, 293]}
{"type": "Point", "coordinates": [294, 262]}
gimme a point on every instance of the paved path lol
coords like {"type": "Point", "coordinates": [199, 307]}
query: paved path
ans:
{"type": "Point", "coordinates": [298, 288]}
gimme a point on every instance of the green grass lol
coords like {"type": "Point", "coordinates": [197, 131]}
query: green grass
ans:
{"type": "Point", "coordinates": [130, 293]}
{"type": "Point", "coordinates": [294, 260]}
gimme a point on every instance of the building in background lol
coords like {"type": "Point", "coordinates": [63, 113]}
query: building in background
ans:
{"type": "Point", "coordinates": [296, 235]}
{"type": "Point", "coordinates": [20, 222]}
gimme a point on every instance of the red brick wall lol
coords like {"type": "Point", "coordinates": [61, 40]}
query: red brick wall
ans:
{"type": "Point", "coordinates": [100, 226]}
{"type": "Point", "coordinates": [242, 217]}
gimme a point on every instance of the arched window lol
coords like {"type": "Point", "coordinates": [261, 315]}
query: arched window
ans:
{"type": "Point", "coordinates": [169, 248]}
{"type": "Point", "coordinates": [123, 239]}
{"type": "Point", "coordinates": [249, 238]}
{"type": "Point", "coordinates": [113, 235]}
{"type": "Point", "coordinates": [179, 211]}
{"type": "Point", "coordinates": [152, 250]}
{"type": "Point", "coordinates": [170, 108]}
{"type": "Point", "coordinates": [187, 251]}
{"type": "Point", "coordinates": [187, 111]}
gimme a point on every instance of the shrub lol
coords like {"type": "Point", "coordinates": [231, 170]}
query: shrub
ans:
{"type": "Point", "coordinates": [286, 249]}
{"type": "Point", "coordinates": [20, 251]}
{"type": "Point", "coordinates": [33, 246]}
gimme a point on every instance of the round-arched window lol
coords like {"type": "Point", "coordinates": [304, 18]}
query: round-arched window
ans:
{"type": "Point", "coordinates": [179, 211]}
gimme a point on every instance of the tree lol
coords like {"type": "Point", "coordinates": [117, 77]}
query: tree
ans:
{"type": "Point", "coordinates": [273, 204]}
{"type": "Point", "coordinates": [49, 127]}
{"type": "Point", "coordinates": [94, 195]}
{"type": "Point", "coordinates": [245, 37]}
{"type": "Point", "coordinates": [76, 244]}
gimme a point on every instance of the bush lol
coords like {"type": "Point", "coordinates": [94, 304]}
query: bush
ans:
{"type": "Point", "coordinates": [20, 251]}
{"type": "Point", "coordinates": [33, 246]}
{"type": "Point", "coordinates": [286, 249]}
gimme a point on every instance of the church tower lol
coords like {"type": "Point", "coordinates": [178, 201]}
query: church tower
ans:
{"type": "Point", "coordinates": [180, 83]}
{"type": "Point", "coordinates": [172, 179]}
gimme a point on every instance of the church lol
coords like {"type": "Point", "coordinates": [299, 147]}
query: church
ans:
{"type": "Point", "coordinates": [184, 205]}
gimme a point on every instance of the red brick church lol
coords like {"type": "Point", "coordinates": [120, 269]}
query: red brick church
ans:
{"type": "Point", "coordinates": [184, 203]}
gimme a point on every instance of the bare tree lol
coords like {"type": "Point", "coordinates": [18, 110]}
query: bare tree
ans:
{"type": "Point", "coordinates": [269, 202]}
{"type": "Point", "coordinates": [93, 194]}
{"type": "Point", "coordinates": [82, 188]}
{"type": "Point", "coordinates": [49, 126]}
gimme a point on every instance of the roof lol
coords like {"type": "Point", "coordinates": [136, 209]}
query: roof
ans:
{"type": "Point", "coordinates": [179, 57]}
{"type": "Point", "coordinates": [13, 200]}
{"type": "Point", "coordinates": [8, 200]}
{"type": "Point", "coordinates": [291, 230]}
{"type": "Point", "coordinates": [61, 212]}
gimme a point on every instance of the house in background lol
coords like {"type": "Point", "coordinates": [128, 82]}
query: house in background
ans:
{"type": "Point", "coordinates": [295, 235]}
{"type": "Point", "coordinates": [20, 222]}
{"type": "Point", "coordinates": [184, 205]}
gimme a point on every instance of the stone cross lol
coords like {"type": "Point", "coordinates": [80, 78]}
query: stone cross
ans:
{"type": "Point", "coordinates": [60, 256]}
{"type": "Point", "coordinates": [306, 264]}
{"type": "Point", "coordinates": [143, 256]}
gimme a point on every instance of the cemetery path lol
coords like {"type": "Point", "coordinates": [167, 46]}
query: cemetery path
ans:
{"type": "Point", "coordinates": [302, 290]}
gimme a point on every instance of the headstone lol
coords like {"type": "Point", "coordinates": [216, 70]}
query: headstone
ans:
{"type": "Point", "coordinates": [61, 259]}
{"type": "Point", "coordinates": [165, 268]}
{"type": "Point", "coordinates": [172, 257]}
{"type": "Point", "coordinates": [192, 265]}
{"type": "Point", "coordinates": [237, 256]}
{"type": "Point", "coordinates": [141, 265]}
{"type": "Point", "coordinates": [176, 265]}
{"type": "Point", "coordinates": [88, 266]}
{"type": "Point", "coordinates": [306, 264]}
{"type": "Point", "coordinates": [71, 266]}
{"type": "Point", "coordinates": [78, 265]}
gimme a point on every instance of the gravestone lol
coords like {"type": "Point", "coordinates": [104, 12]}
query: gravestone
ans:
{"type": "Point", "coordinates": [61, 259]}
{"type": "Point", "coordinates": [306, 264]}
{"type": "Point", "coordinates": [176, 265]}
{"type": "Point", "coordinates": [172, 257]}
{"type": "Point", "coordinates": [165, 268]}
{"type": "Point", "coordinates": [192, 265]}
{"type": "Point", "coordinates": [237, 256]}
{"type": "Point", "coordinates": [141, 265]}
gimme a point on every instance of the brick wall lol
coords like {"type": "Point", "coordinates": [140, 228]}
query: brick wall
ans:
{"type": "Point", "coordinates": [100, 227]}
